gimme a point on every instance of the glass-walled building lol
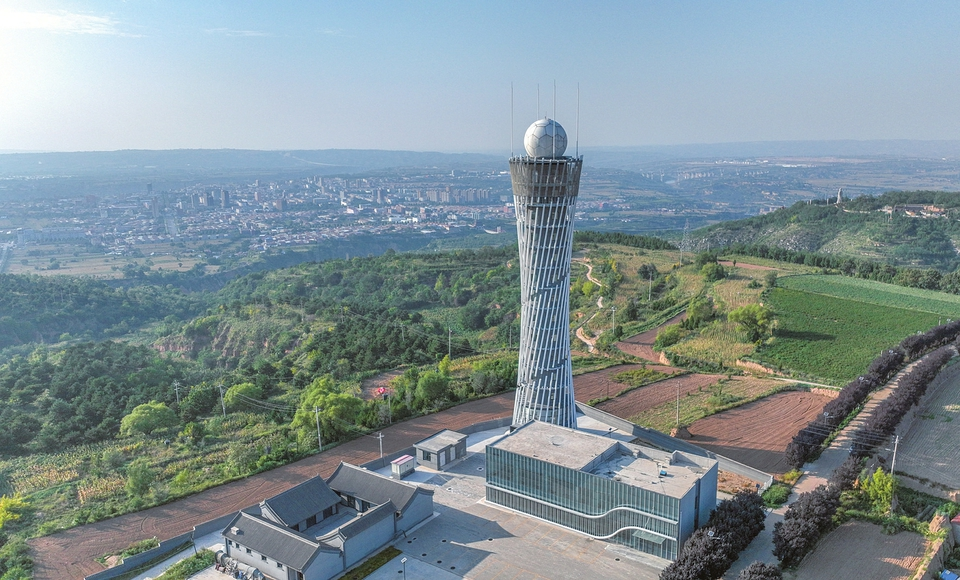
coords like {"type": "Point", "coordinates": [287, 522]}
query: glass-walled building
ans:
{"type": "Point", "coordinates": [641, 497]}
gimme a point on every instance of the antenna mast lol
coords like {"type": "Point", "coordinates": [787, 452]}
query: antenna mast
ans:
{"type": "Point", "coordinates": [578, 120]}
{"type": "Point", "coordinates": [554, 140]}
{"type": "Point", "coordinates": [511, 119]}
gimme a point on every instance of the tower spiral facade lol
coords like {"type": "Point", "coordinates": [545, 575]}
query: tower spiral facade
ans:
{"type": "Point", "coordinates": [545, 188]}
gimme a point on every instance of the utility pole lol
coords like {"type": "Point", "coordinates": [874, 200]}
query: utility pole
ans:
{"type": "Point", "coordinates": [893, 464]}
{"type": "Point", "coordinates": [316, 411]}
{"type": "Point", "coordinates": [449, 343]}
{"type": "Point", "coordinates": [176, 388]}
{"type": "Point", "coordinates": [650, 288]}
{"type": "Point", "coordinates": [613, 310]}
{"type": "Point", "coordinates": [380, 437]}
{"type": "Point", "coordinates": [678, 403]}
{"type": "Point", "coordinates": [222, 405]}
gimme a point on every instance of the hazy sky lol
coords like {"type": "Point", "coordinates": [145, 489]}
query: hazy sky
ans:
{"type": "Point", "coordinates": [158, 74]}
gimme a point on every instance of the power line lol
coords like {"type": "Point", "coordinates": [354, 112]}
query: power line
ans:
{"type": "Point", "coordinates": [410, 329]}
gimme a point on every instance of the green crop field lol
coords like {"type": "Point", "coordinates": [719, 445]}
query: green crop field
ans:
{"type": "Point", "coordinates": [834, 339]}
{"type": "Point", "coordinates": [878, 293]}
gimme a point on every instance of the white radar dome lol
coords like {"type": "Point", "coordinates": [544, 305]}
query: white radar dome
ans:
{"type": "Point", "coordinates": [545, 138]}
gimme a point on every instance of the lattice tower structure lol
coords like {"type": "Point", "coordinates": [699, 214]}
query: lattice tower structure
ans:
{"type": "Point", "coordinates": [545, 195]}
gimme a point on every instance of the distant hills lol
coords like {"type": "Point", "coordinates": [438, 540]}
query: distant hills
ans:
{"type": "Point", "coordinates": [205, 161]}
{"type": "Point", "coordinates": [918, 229]}
{"type": "Point", "coordinates": [630, 157]}
{"type": "Point", "coordinates": [183, 162]}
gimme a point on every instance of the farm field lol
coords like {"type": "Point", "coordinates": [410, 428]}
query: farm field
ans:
{"type": "Point", "coordinates": [757, 433]}
{"type": "Point", "coordinates": [601, 384]}
{"type": "Point", "coordinates": [931, 449]}
{"type": "Point", "coordinates": [80, 261]}
{"type": "Point", "coordinates": [655, 405]}
{"type": "Point", "coordinates": [824, 337]}
{"type": "Point", "coordinates": [861, 550]}
{"type": "Point", "coordinates": [947, 305]}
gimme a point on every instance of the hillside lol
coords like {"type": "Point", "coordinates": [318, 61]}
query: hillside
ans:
{"type": "Point", "coordinates": [918, 229]}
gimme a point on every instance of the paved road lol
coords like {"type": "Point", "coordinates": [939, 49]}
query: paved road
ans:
{"type": "Point", "coordinates": [72, 553]}
{"type": "Point", "coordinates": [815, 474]}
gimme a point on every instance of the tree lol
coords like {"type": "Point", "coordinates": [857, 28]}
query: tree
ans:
{"type": "Point", "coordinates": [198, 402]}
{"type": "Point", "coordinates": [755, 319]}
{"type": "Point", "coordinates": [238, 396]}
{"type": "Point", "coordinates": [880, 487]}
{"type": "Point", "coordinates": [699, 311]}
{"type": "Point", "coordinates": [337, 410]}
{"type": "Point", "coordinates": [18, 429]}
{"type": "Point", "coordinates": [792, 539]}
{"type": "Point", "coordinates": [760, 571]}
{"type": "Point", "coordinates": [431, 387]}
{"type": "Point", "coordinates": [147, 418]}
{"type": "Point", "coordinates": [195, 432]}
{"type": "Point", "coordinates": [703, 557]}
{"type": "Point", "coordinates": [139, 478]}
{"type": "Point", "coordinates": [668, 336]}
{"type": "Point", "coordinates": [588, 288]}
{"type": "Point", "coordinates": [11, 507]}
{"type": "Point", "coordinates": [444, 366]}
{"type": "Point", "coordinates": [844, 476]}
{"type": "Point", "coordinates": [713, 271]}
{"type": "Point", "coordinates": [770, 279]}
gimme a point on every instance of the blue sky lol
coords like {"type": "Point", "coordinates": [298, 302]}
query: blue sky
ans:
{"type": "Point", "coordinates": [159, 74]}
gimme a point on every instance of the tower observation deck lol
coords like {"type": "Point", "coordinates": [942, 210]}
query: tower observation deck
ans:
{"type": "Point", "coordinates": [545, 188]}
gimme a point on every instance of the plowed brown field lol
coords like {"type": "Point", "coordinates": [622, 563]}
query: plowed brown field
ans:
{"type": "Point", "coordinates": [862, 550]}
{"type": "Point", "coordinates": [757, 433]}
{"type": "Point", "coordinates": [644, 398]}
{"type": "Point", "coordinates": [601, 384]}
{"type": "Point", "coordinates": [641, 345]}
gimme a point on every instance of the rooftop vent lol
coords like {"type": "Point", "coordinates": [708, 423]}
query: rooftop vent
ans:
{"type": "Point", "coordinates": [235, 531]}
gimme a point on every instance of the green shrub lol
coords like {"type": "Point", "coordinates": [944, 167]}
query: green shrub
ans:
{"type": "Point", "coordinates": [776, 495]}
{"type": "Point", "coordinates": [190, 566]}
{"type": "Point", "coordinates": [668, 336]}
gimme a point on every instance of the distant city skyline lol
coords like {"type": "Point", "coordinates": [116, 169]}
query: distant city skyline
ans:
{"type": "Point", "coordinates": [108, 74]}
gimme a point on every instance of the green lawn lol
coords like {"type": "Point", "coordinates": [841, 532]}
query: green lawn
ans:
{"type": "Point", "coordinates": [834, 339]}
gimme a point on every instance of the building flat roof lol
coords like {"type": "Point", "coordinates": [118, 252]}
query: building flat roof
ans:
{"type": "Point", "coordinates": [553, 444]}
{"type": "Point", "coordinates": [635, 465]}
{"type": "Point", "coordinates": [440, 440]}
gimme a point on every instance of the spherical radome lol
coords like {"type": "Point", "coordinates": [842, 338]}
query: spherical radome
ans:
{"type": "Point", "coordinates": [545, 138]}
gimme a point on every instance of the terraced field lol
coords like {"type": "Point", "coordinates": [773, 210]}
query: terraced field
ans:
{"type": "Point", "coordinates": [878, 293]}
{"type": "Point", "coordinates": [834, 339]}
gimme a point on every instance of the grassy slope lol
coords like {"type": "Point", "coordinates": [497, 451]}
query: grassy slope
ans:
{"type": "Point", "coordinates": [834, 338]}
{"type": "Point", "coordinates": [876, 293]}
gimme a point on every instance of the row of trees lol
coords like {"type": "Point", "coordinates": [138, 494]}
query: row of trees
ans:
{"type": "Point", "coordinates": [807, 442]}
{"type": "Point", "coordinates": [811, 515]}
{"type": "Point", "coordinates": [925, 278]}
{"type": "Point", "coordinates": [631, 240]}
{"type": "Point", "coordinates": [341, 414]}
{"type": "Point", "coordinates": [711, 550]}
{"type": "Point", "coordinates": [887, 415]}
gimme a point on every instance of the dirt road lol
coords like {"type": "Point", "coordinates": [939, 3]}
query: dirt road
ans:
{"type": "Point", "coordinates": [641, 345]}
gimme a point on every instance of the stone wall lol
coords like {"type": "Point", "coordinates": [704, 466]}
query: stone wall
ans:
{"type": "Point", "coordinates": [937, 550]}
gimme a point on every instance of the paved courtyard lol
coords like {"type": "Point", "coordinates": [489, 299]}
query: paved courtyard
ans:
{"type": "Point", "coordinates": [469, 538]}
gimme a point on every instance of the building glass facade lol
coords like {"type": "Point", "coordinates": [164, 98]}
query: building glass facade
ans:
{"type": "Point", "coordinates": [596, 506]}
